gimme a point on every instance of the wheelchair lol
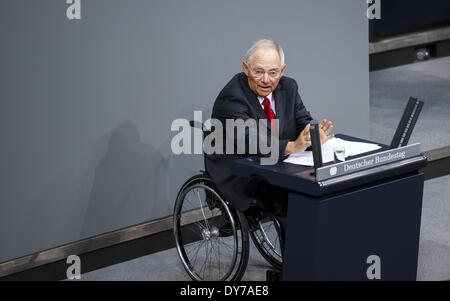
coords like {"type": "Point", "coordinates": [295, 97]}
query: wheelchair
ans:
{"type": "Point", "coordinates": [212, 237]}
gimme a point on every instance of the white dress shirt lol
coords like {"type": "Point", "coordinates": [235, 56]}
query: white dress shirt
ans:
{"type": "Point", "coordinates": [271, 101]}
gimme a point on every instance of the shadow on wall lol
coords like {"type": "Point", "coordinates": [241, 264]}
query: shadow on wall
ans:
{"type": "Point", "coordinates": [128, 186]}
{"type": "Point", "coordinates": [183, 166]}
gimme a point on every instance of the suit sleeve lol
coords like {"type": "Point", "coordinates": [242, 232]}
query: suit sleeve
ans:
{"type": "Point", "coordinates": [235, 109]}
{"type": "Point", "coordinates": [302, 116]}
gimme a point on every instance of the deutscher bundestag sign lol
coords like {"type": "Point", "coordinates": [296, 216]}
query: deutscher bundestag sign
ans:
{"type": "Point", "coordinates": [366, 162]}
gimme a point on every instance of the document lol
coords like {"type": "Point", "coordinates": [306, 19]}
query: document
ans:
{"type": "Point", "coordinates": [351, 149]}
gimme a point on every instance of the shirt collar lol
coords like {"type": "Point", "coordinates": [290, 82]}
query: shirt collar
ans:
{"type": "Point", "coordinates": [261, 99]}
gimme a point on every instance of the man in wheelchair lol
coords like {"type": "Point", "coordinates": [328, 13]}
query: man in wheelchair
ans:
{"type": "Point", "coordinates": [260, 92]}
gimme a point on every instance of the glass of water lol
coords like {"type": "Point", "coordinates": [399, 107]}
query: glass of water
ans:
{"type": "Point", "coordinates": [339, 154]}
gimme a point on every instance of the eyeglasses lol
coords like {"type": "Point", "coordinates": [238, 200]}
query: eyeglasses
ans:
{"type": "Point", "coordinates": [258, 73]}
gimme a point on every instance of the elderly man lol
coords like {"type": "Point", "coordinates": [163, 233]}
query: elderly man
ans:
{"type": "Point", "coordinates": [262, 92]}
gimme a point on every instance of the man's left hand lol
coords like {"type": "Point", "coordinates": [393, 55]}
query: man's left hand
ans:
{"type": "Point", "coordinates": [324, 130]}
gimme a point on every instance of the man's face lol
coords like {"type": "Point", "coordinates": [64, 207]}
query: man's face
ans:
{"type": "Point", "coordinates": [264, 72]}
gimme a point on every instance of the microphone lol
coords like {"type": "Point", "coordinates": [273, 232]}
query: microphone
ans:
{"type": "Point", "coordinates": [315, 144]}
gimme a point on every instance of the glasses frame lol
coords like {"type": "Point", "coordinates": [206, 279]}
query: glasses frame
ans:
{"type": "Point", "coordinates": [259, 72]}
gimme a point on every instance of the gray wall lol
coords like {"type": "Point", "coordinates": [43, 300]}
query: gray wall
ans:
{"type": "Point", "coordinates": [86, 106]}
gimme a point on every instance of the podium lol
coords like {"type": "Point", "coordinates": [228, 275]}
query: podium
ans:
{"type": "Point", "coordinates": [362, 225]}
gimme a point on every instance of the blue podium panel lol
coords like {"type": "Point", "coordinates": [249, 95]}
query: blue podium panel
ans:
{"type": "Point", "coordinates": [359, 226]}
{"type": "Point", "coordinates": [331, 238]}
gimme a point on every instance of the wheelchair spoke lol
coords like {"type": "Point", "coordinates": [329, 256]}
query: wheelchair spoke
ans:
{"type": "Point", "coordinates": [201, 207]}
{"type": "Point", "coordinates": [207, 253]}
{"type": "Point", "coordinates": [196, 253]}
{"type": "Point", "coordinates": [218, 257]}
{"type": "Point", "coordinates": [200, 226]}
{"type": "Point", "coordinates": [230, 248]}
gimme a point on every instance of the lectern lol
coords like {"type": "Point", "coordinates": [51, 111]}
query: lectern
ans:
{"type": "Point", "coordinates": [355, 220]}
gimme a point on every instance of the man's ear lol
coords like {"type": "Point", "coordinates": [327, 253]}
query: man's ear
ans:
{"type": "Point", "coordinates": [245, 68]}
{"type": "Point", "coordinates": [283, 70]}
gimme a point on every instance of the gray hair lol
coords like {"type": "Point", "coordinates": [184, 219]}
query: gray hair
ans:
{"type": "Point", "coordinates": [264, 43]}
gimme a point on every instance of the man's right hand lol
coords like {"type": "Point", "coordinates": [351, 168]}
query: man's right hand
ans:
{"type": "Point", "coordinates": [302, 142]}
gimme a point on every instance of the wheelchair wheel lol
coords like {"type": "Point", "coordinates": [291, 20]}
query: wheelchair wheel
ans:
{"type": "Point", "coordinates": [211, 236]}
{"type": "Point", "coordinates": [265, 236]}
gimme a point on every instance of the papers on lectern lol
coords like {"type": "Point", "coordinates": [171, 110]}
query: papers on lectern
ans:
{"type": "Point", "coordinates": [351, 149]}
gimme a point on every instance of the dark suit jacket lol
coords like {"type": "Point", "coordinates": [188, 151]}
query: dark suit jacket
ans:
{"type": "Point", "coordinates": [238, 101]}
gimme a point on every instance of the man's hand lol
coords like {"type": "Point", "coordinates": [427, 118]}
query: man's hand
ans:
{"type": "Point", "coordinates": [303, 140]}
{"type": "Point", "coordinates": [324, 131]}
{"type": "Point", "coordinates": [300, 144]}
